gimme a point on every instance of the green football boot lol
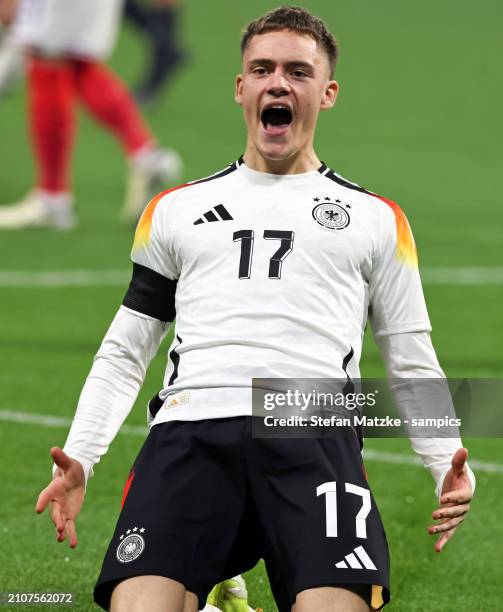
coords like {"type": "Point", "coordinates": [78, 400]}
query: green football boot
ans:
{"type": "Point", "coordinates": [230, 596]}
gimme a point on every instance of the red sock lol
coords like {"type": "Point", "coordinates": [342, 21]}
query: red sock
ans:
{"type": "Point", "coordinates": [52, 121]}
{"type": "Point", "coordinates": [108, 99]}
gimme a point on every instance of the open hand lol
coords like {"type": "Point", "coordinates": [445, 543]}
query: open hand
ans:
{"type": "Point", "coordinates": [64, 495]}
{"type": "Point", "coordinates": [454, 501]}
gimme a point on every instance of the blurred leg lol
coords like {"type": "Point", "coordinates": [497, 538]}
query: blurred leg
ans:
{"type": "Point", "coordinates": [109, 101]}
{"type": "Point", "coordinates": [51, 118]}
{"type": "Point", "coordinates": [51, 112]}
{"type": "Point", "coordinates": [106, 97]}
{"type": "Point", "coordinates": [136, 13]}
{"type": "Point", "coordinates": [166, 55]}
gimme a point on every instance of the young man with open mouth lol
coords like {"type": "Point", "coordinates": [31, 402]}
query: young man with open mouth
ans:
{"type": "Point", "coordinates": [272, 267]}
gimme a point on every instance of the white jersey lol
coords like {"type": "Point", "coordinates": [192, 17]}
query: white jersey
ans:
{"type": "Point", "coordinates": [77, 28]}
{"type": "Point", "coordinates": [270, 276]}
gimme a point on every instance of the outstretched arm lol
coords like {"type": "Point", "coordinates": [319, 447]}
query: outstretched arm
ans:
{"type": "Point", "coordinates": [113, 384]}
{"type": "Point", "coordinates": [401, 327]}
{"type": "Point", "coordinates": [411, 356]}
{"type": "Point", "coordinates": [107, 397]}
{"type": "Point", "coordinates": [120, 365]}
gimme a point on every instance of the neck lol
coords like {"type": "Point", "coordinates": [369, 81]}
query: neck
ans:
{"type": "Point", "coordinates": [302, 161]}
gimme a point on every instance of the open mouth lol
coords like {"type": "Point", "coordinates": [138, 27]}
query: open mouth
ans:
{"type": "Point", "coordinates": [276, 119]}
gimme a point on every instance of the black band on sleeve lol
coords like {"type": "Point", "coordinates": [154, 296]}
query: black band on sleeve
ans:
{"type": "Point", "coordinates": [151, 293]}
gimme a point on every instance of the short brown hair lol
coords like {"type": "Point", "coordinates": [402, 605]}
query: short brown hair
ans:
{"type": "Point", "coordinates": [296, 19]}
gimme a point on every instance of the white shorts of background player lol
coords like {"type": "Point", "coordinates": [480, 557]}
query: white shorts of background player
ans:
{"type": "Point", "coordinates": [75, 28]}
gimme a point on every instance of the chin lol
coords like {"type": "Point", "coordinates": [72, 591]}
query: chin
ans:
{"type": "Point", "coordinates": [276, 152]}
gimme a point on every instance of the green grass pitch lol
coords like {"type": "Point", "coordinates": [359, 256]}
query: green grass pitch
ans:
{"type": "Point", "coordinates": [419, 121]}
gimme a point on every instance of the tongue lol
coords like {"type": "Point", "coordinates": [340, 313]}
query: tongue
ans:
{"type": "Point", "coordinates": [276, 130]}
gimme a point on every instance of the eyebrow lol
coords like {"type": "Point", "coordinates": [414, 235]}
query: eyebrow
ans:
{"type": "Point", "coordinates": [291, 64]}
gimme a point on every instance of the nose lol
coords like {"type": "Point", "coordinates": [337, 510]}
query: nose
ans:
{"type": "Point", "coordinates": [278, 85]}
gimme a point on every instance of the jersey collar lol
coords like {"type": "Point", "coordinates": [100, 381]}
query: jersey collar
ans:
{"type": "Point", "coordinates": [241, 162]}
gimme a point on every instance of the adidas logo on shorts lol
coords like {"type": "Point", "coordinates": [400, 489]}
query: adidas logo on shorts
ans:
{"type": "Point", "coordinates": [217, 213]}
{"type": "Point", "coordinates": [355, 560]}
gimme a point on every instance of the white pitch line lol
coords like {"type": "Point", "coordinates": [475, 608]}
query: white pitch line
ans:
{"type": "Point", "coordinates": [65, 278]}
{"type": "Point", "coordinates": [384, 457]}
{"type": "Point", "coordinates": [49, 420]}
{"type": "Point", "coordinates": [119, 278]}
{"type": "Point", "coordinates": [488, 275]}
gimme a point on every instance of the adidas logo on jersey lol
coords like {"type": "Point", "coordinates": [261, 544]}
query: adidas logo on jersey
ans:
{"type": "Point", "coordinates": [217, 213]}
{"type": "Point", "coordinates": [177, 399]}
{"type": "Point", "coordinates": [355, 561]}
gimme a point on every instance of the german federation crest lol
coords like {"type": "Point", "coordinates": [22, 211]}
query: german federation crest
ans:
{"type": "Point", "coordinates": [131, 546]}
{"type": "Point", "coordinates": [331, 215]}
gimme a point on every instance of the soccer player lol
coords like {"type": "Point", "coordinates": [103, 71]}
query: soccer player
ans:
{"type": "Point", "coordinates": [272, 267]}
{"type": "Point", "coordinates": [66, 43]}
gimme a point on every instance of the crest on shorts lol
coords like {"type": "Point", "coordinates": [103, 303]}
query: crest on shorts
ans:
{"type": "Point", "coordinates": [131, 545]}
{"type": "Point", "coordinates": [332, 214]}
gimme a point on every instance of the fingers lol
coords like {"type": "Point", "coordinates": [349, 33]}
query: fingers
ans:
{"type": "Point", "coordinates": [61, 459]}
{"type": "Point", "coordinates": [446, 525]}
{"type": "Point", "coordinates": [71, 532]}
{"type": "Point", "coordinates": [450, 511]}
{"type": "Point", "coordinates": [46, 495]}
{"type": "Point", "coordinates": [63, 496]}
{"type": "Point", "coordinates": [461, 496]}
{"type": "Point", "coordinates": [454, 507]}
{"type": "Point", "coordinates": [57, 517]}
{"type": "Point", "coordinates": [443, 539]}
{"type": "Point", "coordinates": [42, 501]}
{"type": "Point", "coordinates": [58, 520]}
{"type": "Point", "coordinates": [458, 460]}
{"type": "Point", "coordinates": [60, 535]}
{"type": "Point", "coordinates": [65, 527]}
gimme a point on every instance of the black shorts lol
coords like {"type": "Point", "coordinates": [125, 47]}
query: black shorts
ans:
{"type": "Point", "coordinates": [205, 501]}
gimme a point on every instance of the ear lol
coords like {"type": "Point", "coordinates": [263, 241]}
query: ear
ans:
{"type": "Point", "coordinates": [238, 92]}
{"type": "Point", "coordinates": [329, 95]}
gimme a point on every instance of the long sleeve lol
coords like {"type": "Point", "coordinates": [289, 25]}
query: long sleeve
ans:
{"type": "Point", "coordinates": [412, 356]}
{"type": "Point", "coordinates": [131, 342]}
{"type": "Point", "coordinates": [113, 384]}
{"type": "Point", "coordinates": [401, 327]}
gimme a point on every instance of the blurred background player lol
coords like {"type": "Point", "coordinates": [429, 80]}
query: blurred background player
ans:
{"type": "Point", "coordinates": [66, 44]}
{"type": "Point", "coordinates": [158, 20]}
